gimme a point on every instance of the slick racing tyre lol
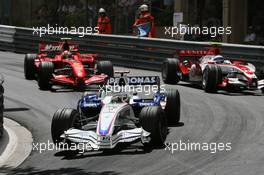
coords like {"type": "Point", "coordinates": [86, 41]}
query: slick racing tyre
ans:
{"type": "Point", "coordinates": [45, 73]}
{"type": "Point", "coordinates": [170, 70]}
{"type": "Point", "coordinates": [105, 67]}
{"type": "Point", "coordinates": [173, 106]}
{"type": "Point", "coordinates": [29, 66]}
{"type": "Point", "coordinates": [153, 120]}
{"type": "Point", "coordinates": [63, 119]}
{"type": "Point", "coordinates": [212, 76]}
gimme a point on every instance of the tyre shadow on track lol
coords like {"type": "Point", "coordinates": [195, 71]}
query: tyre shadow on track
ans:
{"type": "Point", "coordinates": [34, 171]}
{"type": "Point", "coordinates": [16, 109]}
{"type": "Point", "coordinates": [223, 92]}
{"type": "Point", "coordinates": [180, 124]}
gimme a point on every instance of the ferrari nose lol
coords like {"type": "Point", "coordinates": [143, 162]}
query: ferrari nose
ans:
{"type": "Point", "coordinates": [80, 74]}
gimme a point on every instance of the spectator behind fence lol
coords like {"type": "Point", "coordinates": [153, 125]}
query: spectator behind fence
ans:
{"type": "Point", "coordinates": [250, 38]}
{"type": "Point", "coordinates": [146, 17]}
{"type": "Point", "coordinates": [103, 22]}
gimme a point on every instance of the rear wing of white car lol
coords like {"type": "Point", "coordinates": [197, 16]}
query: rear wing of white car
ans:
{"type": "Point", "coordinates": [134, 80]}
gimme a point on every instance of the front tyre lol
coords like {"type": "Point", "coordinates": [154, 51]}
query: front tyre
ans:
{"type": "Point", "coordinates": [46, 70]}
{"type": "Point", "coordinates": [153, 120]}
{"type": "Point", "coordinates": [63, 119]}
{"type": "Point", "coordinates": [173, 106]}
{"type": "Point", "coordinates": [212, 76]}
{"type": "Point", "coordinates": [29, 66]}
{"type": "Point", "coordinates": [170, 70]}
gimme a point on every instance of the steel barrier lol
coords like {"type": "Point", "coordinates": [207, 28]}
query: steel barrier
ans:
{"type": "Point", "coordinates": [129, 51]}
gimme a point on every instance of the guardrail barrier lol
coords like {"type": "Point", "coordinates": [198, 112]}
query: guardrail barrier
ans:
{"type": "Point", "coordinates": [129, 51]}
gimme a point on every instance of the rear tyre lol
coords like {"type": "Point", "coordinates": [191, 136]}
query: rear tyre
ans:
{"type": "Point", "coordinates": [212, 76]}
{"type": "Point", "coordinates": [29, 66]}
{"type": "Point", "coordinates": [170, 70]}
{"type": "Point", "coordinates": [63, 119]}
{"type": "Point", "coordinates": [153, 120]}
{"type": "Point", "coordinates": [173, 106]}
{"type": "Point", "coordinates": [262, 90]}
{"type": "Point", "coordinates": [45, 73]}
{"type": "Point", "coordinates": [105, 67]}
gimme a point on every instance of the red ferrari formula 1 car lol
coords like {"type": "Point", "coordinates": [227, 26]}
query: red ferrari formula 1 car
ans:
{"type": "Point", "coordinates": [212, 71]}
{"type": "Point", "coordinates": [60, 63]}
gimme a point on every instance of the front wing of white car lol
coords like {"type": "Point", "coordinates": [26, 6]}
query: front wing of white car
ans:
{"type": "Point", "coordinates": [97, 142]}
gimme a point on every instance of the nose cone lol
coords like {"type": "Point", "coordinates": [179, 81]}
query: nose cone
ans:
{"type": "Point", "coordinates": [80, 73]}
{"type": "Point", "coordinates": [78, 70]}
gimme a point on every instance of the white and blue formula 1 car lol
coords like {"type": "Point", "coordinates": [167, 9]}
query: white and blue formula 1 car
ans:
{"type": "Point", "coordinates": [103, 120]}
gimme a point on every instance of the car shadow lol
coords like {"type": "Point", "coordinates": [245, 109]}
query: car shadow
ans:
{"type": "Point", "coordinates": [243, 93]}
{"type": "Point", "coordinates": [64, 170]}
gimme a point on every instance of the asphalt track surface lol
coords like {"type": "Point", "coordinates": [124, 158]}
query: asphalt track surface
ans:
{"type": "Point", "coordinates": [206, 118]}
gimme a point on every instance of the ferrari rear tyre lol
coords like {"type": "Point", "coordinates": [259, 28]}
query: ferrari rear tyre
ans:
{"type": "Point", "coordinates": [173, 106]}
{"type": "Point", "coordinates": [45, 73]}
{"type": "Point", "coordinates": [212, 76]}
{"type": "Point", "coordinates": [105, 67]}
{"type": "Point", "coordinates": [170, 70]}
{"type": "Point", "coordinates": [153, 120]}
{"type": "Point", "coordinates": [63, 119]}
{"type": "Point", "coordinates": [29, 66]}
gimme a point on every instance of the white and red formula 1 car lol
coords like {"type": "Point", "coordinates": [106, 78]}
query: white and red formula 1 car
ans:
{"type": "Point", "coordinates": [212, 71]}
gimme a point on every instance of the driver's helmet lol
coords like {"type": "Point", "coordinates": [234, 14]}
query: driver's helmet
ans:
{"type": "Point", "coordinates": [65, 46]}
{"type": "Point", "coordinates": [227, 62]}
{"type": "Point", "coordinates": [66, 54]}
{"type": "Point", "coordinates": [101, 10]}
{"type": "Point", "coordinates": [218, 59]}
{"type": "Point", "coordinates": [143, 8]}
